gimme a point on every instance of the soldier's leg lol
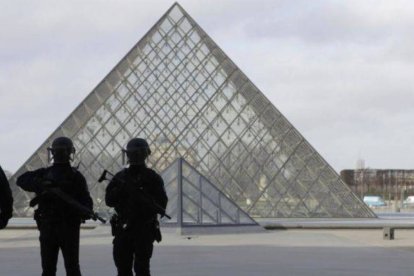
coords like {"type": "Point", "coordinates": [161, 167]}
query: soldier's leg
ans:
{"type": "Point", "coordinates": [69, 243]}
{"type": "Point", "coordinates": [143, 253]}
{"type": "Point", "coordinates": [123, 254]}
{"type": "Point", "coordinates": [49, 248]}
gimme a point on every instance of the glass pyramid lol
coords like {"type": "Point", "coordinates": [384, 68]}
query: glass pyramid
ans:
{"type": "Point", "coordinates": [179, 90]}
{"type": "Point", "coordinates": [195, 201]}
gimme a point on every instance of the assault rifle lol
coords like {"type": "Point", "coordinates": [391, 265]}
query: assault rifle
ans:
{"type": "Point", "coordinates": [56, 191]}
{"type": "Point", "coordinates": [154, 204]}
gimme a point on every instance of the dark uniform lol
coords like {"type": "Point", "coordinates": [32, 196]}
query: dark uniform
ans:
{"type": "Point", "coordinates": [6, 200]}
{"type": "Point", "coordinates": [137, 224]}
{"type": "Point", "coordinates": [58, 222]}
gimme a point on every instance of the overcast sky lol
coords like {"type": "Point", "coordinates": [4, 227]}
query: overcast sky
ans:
{"type": "Point", "coordinates": [341, 71]}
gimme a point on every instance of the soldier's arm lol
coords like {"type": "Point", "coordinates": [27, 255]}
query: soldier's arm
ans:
{"type": "Point", "coordinates": [160, 196]}
{"type": "Point", "coordinates": [113, 192]}
{"type": "Point", "coordinates": [84, 195]}
{"type": "Point", "coordinates": [6, 199]}
{"type": "Point", "coordinates": [30, 181]}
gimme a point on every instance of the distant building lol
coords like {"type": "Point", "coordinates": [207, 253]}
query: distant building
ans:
{"type": "Point", "coordinates": [390, 183]}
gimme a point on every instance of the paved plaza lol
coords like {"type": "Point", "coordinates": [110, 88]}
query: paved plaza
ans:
{"type": "Point", "coordinates": [280, 252]}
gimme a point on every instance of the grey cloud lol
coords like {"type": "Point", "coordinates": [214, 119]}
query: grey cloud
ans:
{"type": "Point", "coordinates": [335, 21]}
{"type": "Point", "coordinates": [345, 85]}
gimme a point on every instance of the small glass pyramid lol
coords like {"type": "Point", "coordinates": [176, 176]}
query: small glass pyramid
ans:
{"type": "Point", "coordinates": [195, 201]}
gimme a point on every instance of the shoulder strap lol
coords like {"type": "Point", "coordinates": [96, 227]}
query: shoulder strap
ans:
{"type": "Point", "coordinates": [48, 172]}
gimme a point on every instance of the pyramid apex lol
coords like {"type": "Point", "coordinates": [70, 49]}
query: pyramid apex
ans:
{"type": "Point", "coordinates": [176, 4]}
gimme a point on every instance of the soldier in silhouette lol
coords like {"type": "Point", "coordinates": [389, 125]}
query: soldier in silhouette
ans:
{"type": "Point", "coordinates": [132, 192]}
{"type": "Point", "coordinates": [6, 200]}
{"type": "Point", "coordinates": [57, 221]}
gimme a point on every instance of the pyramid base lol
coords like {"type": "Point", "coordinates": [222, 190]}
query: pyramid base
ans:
{"type": "Point", "coordinates": [215, 229]}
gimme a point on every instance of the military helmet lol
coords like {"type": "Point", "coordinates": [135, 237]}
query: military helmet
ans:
{"type": "Point", "coordinates": [136, 144]}
{"type": "Point", "coordinates": [61, 150]}
{"type": "Point", "coordinates": [137, 150]}
{"type": "Point", "coordinates": [63, 143]}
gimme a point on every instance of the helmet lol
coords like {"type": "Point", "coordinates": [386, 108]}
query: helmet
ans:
{"type": "Point", "coordinates": [61, 150]}
{"type": "Point", "coordinates": [137, 150]}
{"type": "Point", "coordinates": [63, 143]}
{"type": "Point", "coordinates": [138, 144]}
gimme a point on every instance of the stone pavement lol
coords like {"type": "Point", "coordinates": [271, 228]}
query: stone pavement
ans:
{"type": "Point", "coordinates": [290, 252]}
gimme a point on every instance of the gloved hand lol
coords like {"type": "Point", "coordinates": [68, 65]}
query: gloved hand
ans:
{"type": "Point", "coordinates": [85, 217]}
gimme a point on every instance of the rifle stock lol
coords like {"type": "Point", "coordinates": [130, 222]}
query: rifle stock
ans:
{"type": "Point", "coordinates": [69, 200]}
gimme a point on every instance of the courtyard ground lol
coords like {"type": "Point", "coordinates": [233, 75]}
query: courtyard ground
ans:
{"type": "Point", "coordinates": [278, 252]}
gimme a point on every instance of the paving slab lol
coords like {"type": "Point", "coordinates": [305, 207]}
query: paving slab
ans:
{"type": "Point", "coordinates": [281, 252]}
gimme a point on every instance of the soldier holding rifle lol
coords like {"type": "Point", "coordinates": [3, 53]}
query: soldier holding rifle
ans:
{"type": "Point", "coordinates": [137, 194]}
{"type": "Point", "coordinates": [63, 203]}
{"type": "Point", "coordinates": [6, 200]}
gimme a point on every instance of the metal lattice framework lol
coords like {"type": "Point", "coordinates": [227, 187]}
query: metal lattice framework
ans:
{"type": "Point", "coordinates": [195, 201]}
{"type": "Point", "coordinates": [178, 89]}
